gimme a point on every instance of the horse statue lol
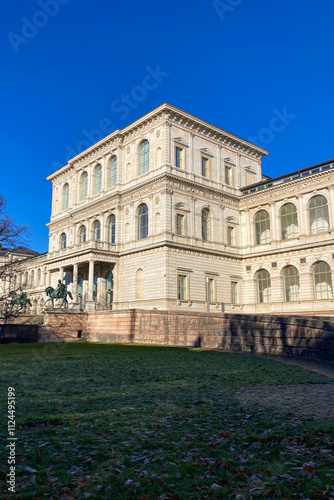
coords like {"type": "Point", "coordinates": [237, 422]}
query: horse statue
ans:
{"type": "Point", "coordinates": [19, 300]}
{"type": "Point", "coordinates": [58, 293]}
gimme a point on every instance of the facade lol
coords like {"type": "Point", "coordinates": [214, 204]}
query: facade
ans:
{"type": "Point", "coordinates": [172, 212]}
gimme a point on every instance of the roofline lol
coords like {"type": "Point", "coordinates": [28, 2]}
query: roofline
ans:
{"type": "Point", "coordinates": [163, 106]}
{"type": "Point", "coordinates": [296, 173]}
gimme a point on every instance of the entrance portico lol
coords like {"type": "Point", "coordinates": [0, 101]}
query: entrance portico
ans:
{"type": "Point", "coordinates": [90, 280]}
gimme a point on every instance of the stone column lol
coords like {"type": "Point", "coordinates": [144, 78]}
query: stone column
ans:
{"type": "Point", "coordinates": [61, 273]}
{"type": "Point", "coordinates": [75, 282]}
{"type": "Point", "coordinates": [301, 215]}
{"type": "Point", "coordinates": [273, 222]}
{"type": "Point", "coordinates": [90, 304]}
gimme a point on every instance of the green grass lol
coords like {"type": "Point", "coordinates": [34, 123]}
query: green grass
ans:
{"type": "Point", "coordinates": [146, 422]}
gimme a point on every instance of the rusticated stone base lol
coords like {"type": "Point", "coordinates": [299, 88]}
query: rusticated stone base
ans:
{"type": "Point", "coordinates": [287, 335]}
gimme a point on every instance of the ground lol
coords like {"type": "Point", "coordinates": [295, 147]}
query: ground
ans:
{"type": "Point", "coordinates": [146, 422]}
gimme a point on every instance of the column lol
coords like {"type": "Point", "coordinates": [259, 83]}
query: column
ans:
{"type": "Point", "coordinates": [90, 304]}
{"type": "Point", "coordinates": [273, 222]}
{"type": "Point", "coordinates": [61, 273]}
{"type": "Point", "coordinates": [301, 215]}
{"type": "Point", "coordinates": [75, 283]}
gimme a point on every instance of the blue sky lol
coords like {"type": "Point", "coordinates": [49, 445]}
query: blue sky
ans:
{"type": "Point", "coordinates": [262, 70]}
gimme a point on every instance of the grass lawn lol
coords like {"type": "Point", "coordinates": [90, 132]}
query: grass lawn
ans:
{"type": "Point", "coordinates": [145, 422]}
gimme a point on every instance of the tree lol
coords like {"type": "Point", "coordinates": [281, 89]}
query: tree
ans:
{"type": "Point", "coordinates": [12, 235]}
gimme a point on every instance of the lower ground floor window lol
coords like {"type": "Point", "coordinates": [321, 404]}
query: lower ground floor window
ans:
{"type": "Point", "coordinates": [182, 287]}
{"type": "Point", "coordinates": [235, 298]}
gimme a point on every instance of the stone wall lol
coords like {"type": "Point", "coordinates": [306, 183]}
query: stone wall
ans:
{"type": "Point", "coordinates": [287, 335]}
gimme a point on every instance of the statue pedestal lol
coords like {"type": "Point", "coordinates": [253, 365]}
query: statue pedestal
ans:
{"type": "Point", "coordinates": [74, 306]}
{"type": "Point", "coordinates": [90, 305]}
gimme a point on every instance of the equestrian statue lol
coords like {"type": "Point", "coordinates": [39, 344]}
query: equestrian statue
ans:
{"type": "Point", "coordinates": [58, 293]}
{"type": "Point", "coordinates": [20, 301]}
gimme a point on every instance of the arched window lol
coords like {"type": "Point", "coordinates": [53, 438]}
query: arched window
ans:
{"type": "Point", "coordinates": [262, 227]}
{"type": "Point", "coordinates": [32, 279]}
{"type": "Point", "coordinates": [291, 284]}
{"type": "Point", "coordinates": [82, 234]}
{"type": "Point", "coordinates": [112, 171]}
{"type": "Point", "coordinates": [109, 289]}
{"type": "Point", "coordinates": [142, 217]}
{"type": "Point", "coordinates": [139, 284]}
{"type": "Point", "coordinates": [83, 186]}
{"type": "Point", "coordinates": [96, 230]}
{"type": "Point", "coordinates": [319, 218]}
{"type": "Point", "coordinates": [111, 225]}
{"type": "Point", "coordinates": [66, 195]}
{"type": "Point", "coordinates": [289, 221]}
{"type": "Point", "coordinates": [97, 179]}
{"type": "Point", "coordinates": [206, 224]}
{"type": "Point", "coordinates": [63, 241]}
{"type": "Point", "coordinates": [322, 281]}
{"type": "Point", "coordinates": [263, 286]}
{"type": "Point", "coordinates": [144, 157]}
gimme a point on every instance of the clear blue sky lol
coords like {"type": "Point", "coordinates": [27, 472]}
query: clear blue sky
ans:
{"type": "Point", "coordinates": [240, 64]}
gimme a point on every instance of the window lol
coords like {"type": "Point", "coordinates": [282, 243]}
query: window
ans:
{"type": "Point", "coordinates": [182, 288]}
{"type": "Point", "coordinates": [206, 224]}
{"type": "Point", "coordinates": [66, 194]}
{"type": "Point", "coordinates": [291, 284]}
{"type": "Point", "coordinates": [97, 230]}
{"type": "Point", "coordinates": [230, 236]}
{"type": "Point", "coordinates": [228, 175]}
{"type": "Point", "coordinates": [98, 179]}
{"type": "Point", "coordinates": [139, 284]}
{"type": "Point", "coordinates": [263, 286]}
{"type": "Point", "coordinates": [82, 234]}
{"type": "Point", "coordinates": [39, 277]}
{"type": "Point", "coordinates": [179, 157]}
{"type": "Point", "coordinates": [63, 241]}
{"type": "Point", "coordinates": [144, 157]}
{"type": "Point", "coordinates": [249, 177]}
{"type": "Point", "coordinates": [262, 227]}
{"type": "Point", "coordinates": [235, 299]}
{"type": "Point", "coordinates": [205, 167]}
{"type": "Point", "coordinates": [319, 218]}
{"type": "Point", "coordinates": [180, 224]}
{"type": "Point", "coordinates": [83, 186]}
{"type": "Point", "coordinates": [289, 221]}
{"type": "Point", "coordinates": [111, 225]}
{"type": "Point", "coordinates": [210, 289]}
{"type": "Point", "coordinates": [322, 281]}
{"type": "Point", "coordinates": [112, 171]}
{"type": "Point", "coordinates": [142, 221]}
{"type": "Point", "coordinates": [32, 279]}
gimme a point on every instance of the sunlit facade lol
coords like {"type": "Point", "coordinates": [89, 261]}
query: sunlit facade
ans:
{"type": "Point", "coordinates": [172, 212]}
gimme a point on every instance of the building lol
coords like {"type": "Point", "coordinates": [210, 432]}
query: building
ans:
{"type": "Point", "coordinates": [172, 212]}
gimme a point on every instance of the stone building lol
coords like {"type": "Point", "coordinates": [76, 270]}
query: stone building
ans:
{"type": "Point", "coordinates": [172, 212]}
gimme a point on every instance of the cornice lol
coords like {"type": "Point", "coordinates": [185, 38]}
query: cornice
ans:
{"type": "Point", "coordinates": [296, 250]}
{"type": "Point", "coordinates": [165, 112]}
